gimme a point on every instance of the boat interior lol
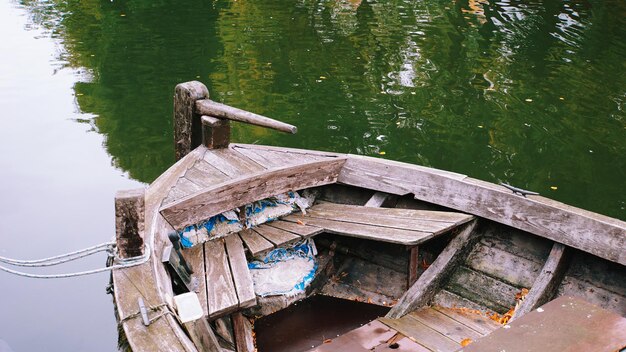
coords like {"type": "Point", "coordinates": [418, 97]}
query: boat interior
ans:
{"type": "Point", "coordinates": [260, 248]}
{"type": "Point", "coordinates": [403, 274]}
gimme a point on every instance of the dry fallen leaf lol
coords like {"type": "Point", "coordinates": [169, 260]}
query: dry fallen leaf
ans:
{"type": "Point", "coordinates": [328, 341]}
{"type": "Point", "coordinates": [466, 342]}
{"type": "Point", "coordinates": [300, 222]}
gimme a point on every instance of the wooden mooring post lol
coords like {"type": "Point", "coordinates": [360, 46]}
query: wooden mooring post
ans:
{"type": "Point", "coordinates": [129, 222]}
{"type": "Point", "coordinates": [198, 120]}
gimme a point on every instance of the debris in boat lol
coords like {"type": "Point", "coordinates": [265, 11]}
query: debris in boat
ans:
{"type": "Point", "coordinates": [250, 215]}
{"type": "Point", "coordinates": [284, 271]}
{"type": "Point", "coordinates": [466, 342]}
{"type": "Point", "coordinates": [425, 265]}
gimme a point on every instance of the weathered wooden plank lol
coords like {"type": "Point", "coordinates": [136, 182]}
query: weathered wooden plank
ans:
{"type": "Point", "coordinates": [501, 264]}
{"type": "Point", "coordinates": [380, 218]}
{"type": "Point", "coordinates": [137, 282]}
{"type": "Point", "coordinates": [219, 110]}
{"type": "Point", "coordinates": [475, 321]}
{"type": "Point", "coordinates": [428, 283]}
{"type": "Point", "coordinates": [364, 338]}
{"type": "Point", "coordinates": [194, 256]}
{"type": "Point", "coordinates": [388, 255]}
{"type": "Point", "coordinates": [378, 199]}
{"type": "Point", "coordinates": [244, 335]}
{"type": "Point", "coordinates": [231, 163]}
{"type": "Point", "coordinates": [130, 222]}
{"type": "Point", "coordinates": [545, 286]}
{"type": "Point", "coordinates": [275, 235]}
{"type": "Point", "coordinates": [256, 147]}
{"type": "Point", "coordinates": [272, 158]}
{"type": "Point", "coordinates": [221, 296]}
{"type": "Point", "coordinates": [482, 289]}
{"type": "Point", "coordinates": [412, 269]}
{"type": "Point", "coordinates": [187, 127]}
{"type": "Point", "coordinates": [448, 299]}
{"type": "Point", "coordinates": [239, 269]}
{"type": "Point", "coordinates": [187, 187]}
{"type": "Point", "coordinates": [517, 242]}
{"type": "Point", "coordinates": [601, 273]}
{"type": "Point", "coordinates": [429, 215]}
{"type": "Point", "coordinates": [444, 325]}
{"type": "Point", "coordinates": [590, 232]}
{"type": "Point", "coordinates": [404, 344]}
{"type": "Point", "coordinates": [569, 324]}
{"type": "Point", "coordinates": [421, 334]}
{"type": "Point", "coordinates": [303, 231]}
{"type": "Point", "coordinates": [386, 175]}
{"type": "Point", "coordinates": [593, 294]}
{"type": "Point", "coordinates": [266, 161]}
{"type": "Point", "coordinates": [204, 174]}
{"type": "Point", "coordinates": [151, 280]}
{"type": "Point", "coordinates": [215, 132]}
{"type": "Point", "coordinates": [231, 194]}
{"type": "Point", "coordinates": [370, 232]}
{"type": "Point", "coordinates": [202, 335]}
{"type": "Point", "coordinates": [255, 243]}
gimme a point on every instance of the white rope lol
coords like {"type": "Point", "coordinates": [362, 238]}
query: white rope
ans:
{"type": "Point", "coordinates": [63, 258]}
{"type": "Point", "coordinates": [122, 263]}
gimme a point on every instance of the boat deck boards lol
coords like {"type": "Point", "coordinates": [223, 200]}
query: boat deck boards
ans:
{"type": "Point", "coordinates": [402, 226]}
{"type": "Point", "coordinates": [442, 329]}
{"type": "Point", "coordinates": [568, 324]}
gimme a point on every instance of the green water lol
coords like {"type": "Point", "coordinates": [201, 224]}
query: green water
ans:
{"type": "Point", "coordinates": [531, 93]}
{"type": "Point", "coordinates": [523, 92]}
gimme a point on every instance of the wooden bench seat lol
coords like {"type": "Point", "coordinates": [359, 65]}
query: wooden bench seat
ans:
{"type": "Point", "coordinates": [227, 284]}
{"type": "Point", "coordinates": [402, 226]}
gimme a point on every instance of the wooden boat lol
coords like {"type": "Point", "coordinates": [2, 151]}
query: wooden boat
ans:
{"type": "Point", "coordinates": [444, 253]}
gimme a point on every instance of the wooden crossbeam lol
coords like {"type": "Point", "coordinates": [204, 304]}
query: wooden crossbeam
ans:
{"type": "Point", "coordinates": [426, 286]}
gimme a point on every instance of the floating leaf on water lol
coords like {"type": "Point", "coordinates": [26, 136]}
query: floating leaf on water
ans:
{"type": "Point", "coordinates": [554, 188]}
{"type": "Point", "coordinates": [382, 153]}
{"type": "Point", "coordinates": [528, 100]}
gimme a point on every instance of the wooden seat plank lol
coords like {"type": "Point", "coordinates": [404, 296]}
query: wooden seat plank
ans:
{"type": "Point", "coordinates": [421, 334]}
{"type": "Point", "coordinates": [240, 271]}
{"type": "Point", "coordinates": [444, 325]}
{"type": "Point", "coordinates": [275, 235]}
{"type": "Point", "coordinates": [221, 296]}
{"type": "Point", "coordinates": [248, 188]}
{"type": "Point", "coordinates": [475, 321]}
{"type": "Point", "coordinates": [443, 216]}
{"type": "Point", "coordinates": [304, 231]}
{"type": "Point", "coordinates": [194, 256]}
{"type": "Point", "coordinates": [255, 242]}
{"type": "Point", "coordinates": [381, 219]}
{"type": "Point", "coordinates": [569, 324]}
{"type": "Point", "coordinates": [370, 232]}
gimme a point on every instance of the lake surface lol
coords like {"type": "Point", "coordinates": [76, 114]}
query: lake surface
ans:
{"type": "Point", "coordinates": [532, 93]}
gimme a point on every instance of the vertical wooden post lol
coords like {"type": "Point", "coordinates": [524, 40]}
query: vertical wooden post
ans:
{"type": "Point", "coordinates": [187, 126]}
{"type": "Point", "coordinates": [244, 340]}
{"type": "Point", "coordinates": [215, 132]}
{"type": "Point", "coordinates": [413, 264]}
{"type": "Point", "coordinates": [129, 222]}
